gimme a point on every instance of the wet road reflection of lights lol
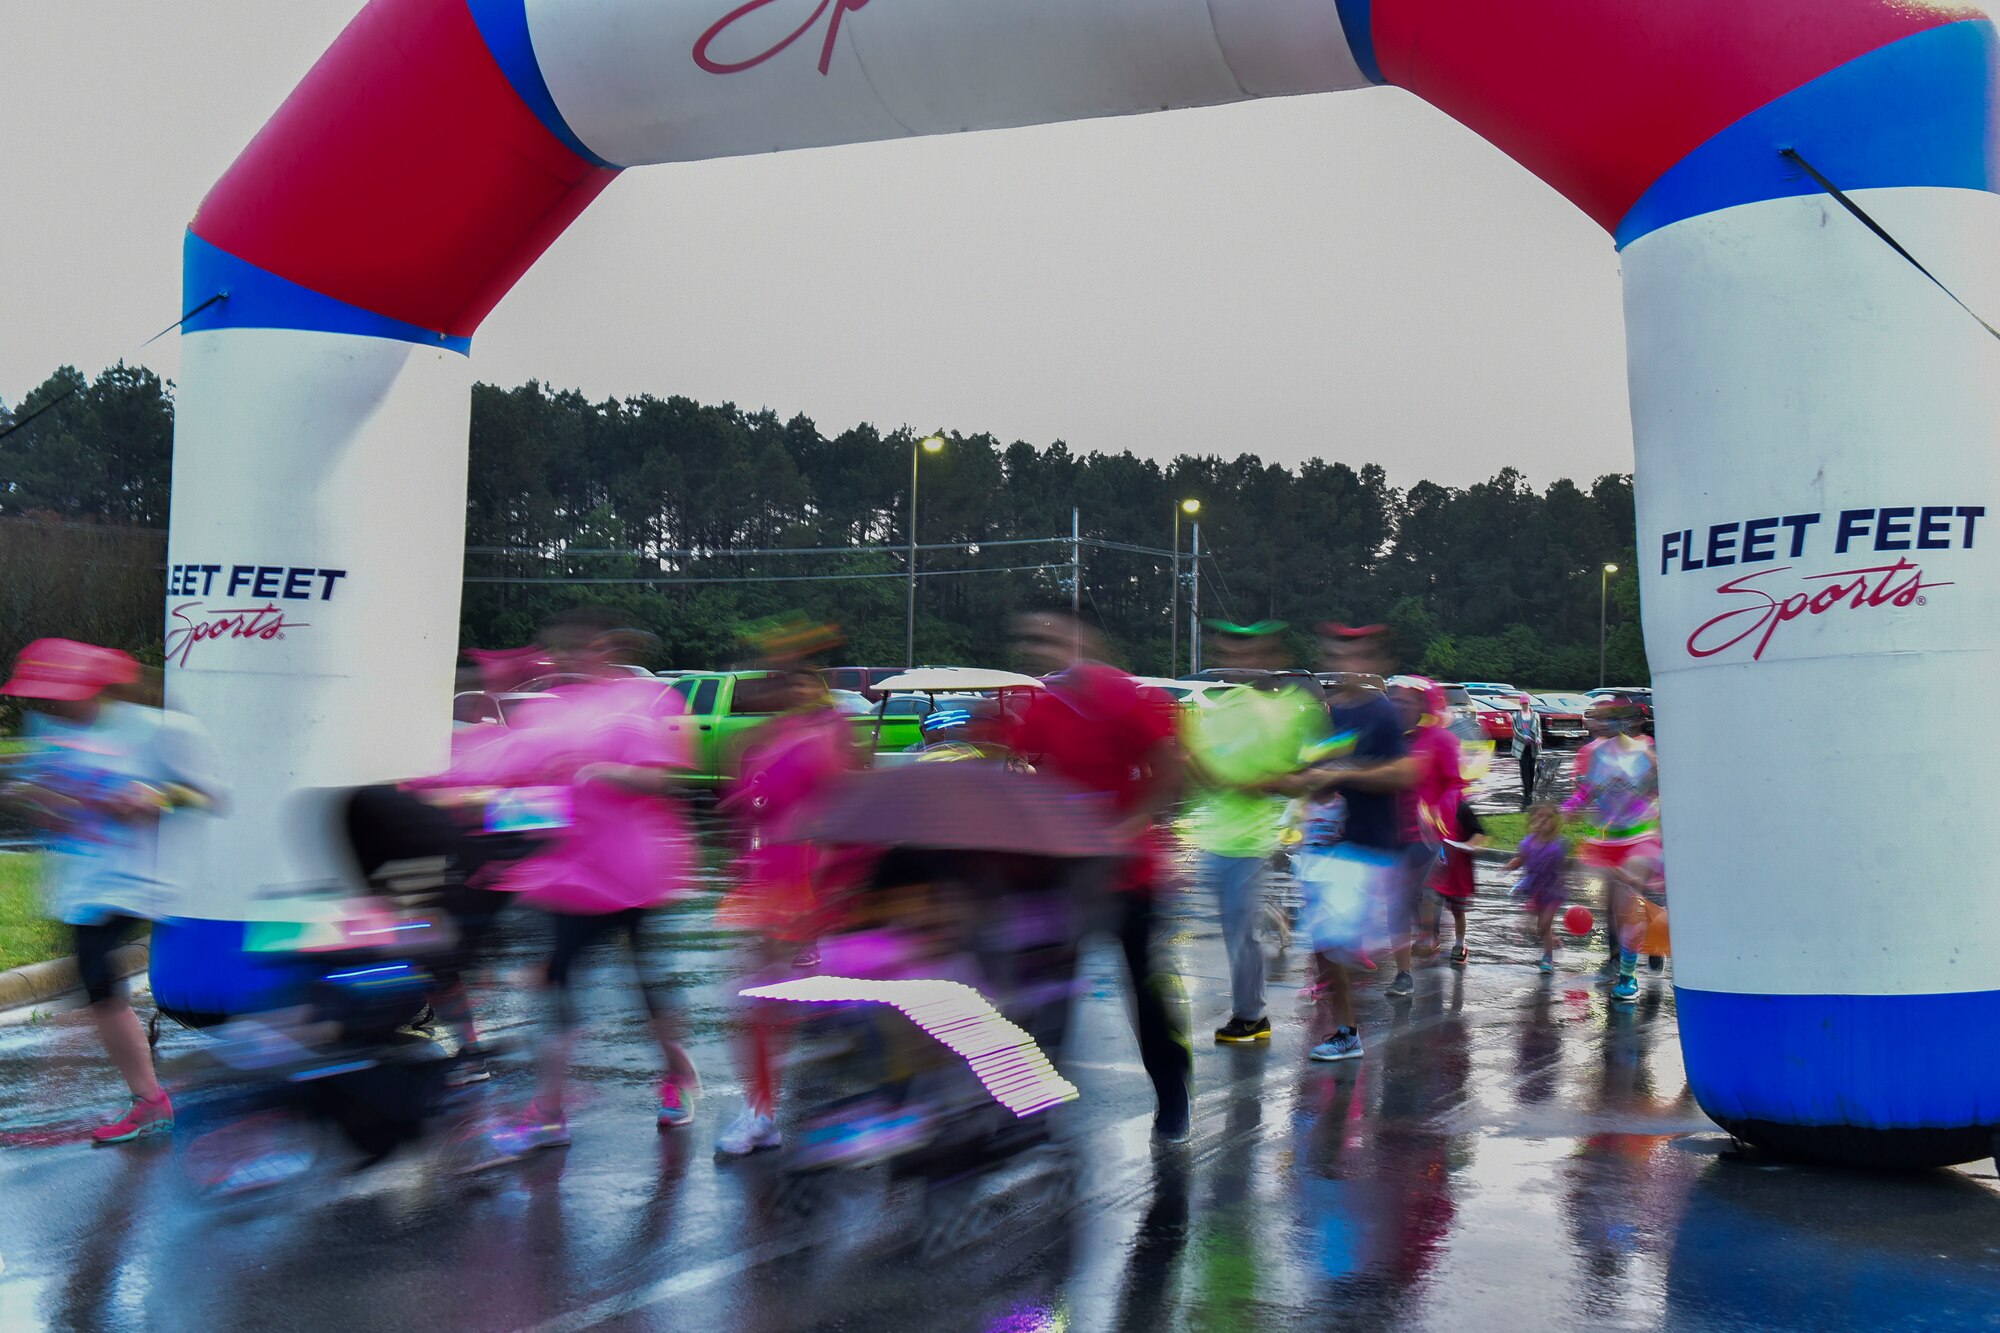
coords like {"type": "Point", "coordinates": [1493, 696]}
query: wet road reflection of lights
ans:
{"type": "Point", "coordinates": [1510, 1149]}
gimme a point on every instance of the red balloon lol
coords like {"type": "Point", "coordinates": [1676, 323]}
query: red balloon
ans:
{"type": "Point", "coordinates": [1578, 920]}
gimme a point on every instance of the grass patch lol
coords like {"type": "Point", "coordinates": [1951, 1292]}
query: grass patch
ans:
{"type": "Point", "coordinates": [26, 935]}
{"type": "Point", "coordinates": [1506, 831]}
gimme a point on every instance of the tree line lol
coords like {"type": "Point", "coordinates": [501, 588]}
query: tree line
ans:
{"type": "Point", "coordinates": [667, 510]}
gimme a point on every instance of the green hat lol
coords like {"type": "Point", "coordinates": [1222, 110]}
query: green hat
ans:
{"type": "Point", "coordinates": [1258, 630]}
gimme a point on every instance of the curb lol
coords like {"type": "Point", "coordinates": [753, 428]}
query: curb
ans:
{"type": "Point", "coordinates": [35, 983]}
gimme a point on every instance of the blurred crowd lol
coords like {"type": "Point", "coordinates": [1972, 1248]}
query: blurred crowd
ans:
{"type": "Point", "coordinates": [921, 921]}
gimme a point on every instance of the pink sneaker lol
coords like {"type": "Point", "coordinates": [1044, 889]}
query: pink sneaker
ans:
{"type": "Point", "coordinates": [675, 1112]}
{"type": "Point", "coordinates": [155, 1116]}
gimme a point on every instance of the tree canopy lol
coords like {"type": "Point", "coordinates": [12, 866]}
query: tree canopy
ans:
{"type": "Point", "coordinates": [670, 508]}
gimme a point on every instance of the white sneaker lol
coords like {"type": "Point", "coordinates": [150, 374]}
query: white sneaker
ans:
{"type": "Point", "coordinates": [749, 1132]}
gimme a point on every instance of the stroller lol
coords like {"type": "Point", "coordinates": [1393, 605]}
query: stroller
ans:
{"type": "Point", "coordinates": [347, 1057]}
{"type": "Point", "coordinates": [942, 997]}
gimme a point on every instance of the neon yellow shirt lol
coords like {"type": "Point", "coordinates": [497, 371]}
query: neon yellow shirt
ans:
{"type": "Point", "coordinates": [1248, 736]}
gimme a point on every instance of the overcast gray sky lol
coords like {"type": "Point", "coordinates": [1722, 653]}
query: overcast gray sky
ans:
{"type": "Point", "coordinates": [1350, 277]}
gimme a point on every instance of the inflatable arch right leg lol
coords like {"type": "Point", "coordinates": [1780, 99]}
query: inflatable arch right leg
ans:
{"type": "Point", "coordinates": [1814, 423]}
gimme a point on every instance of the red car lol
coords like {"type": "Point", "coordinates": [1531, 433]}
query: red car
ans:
{"type": "Point", "coordinates": [1496, 724]}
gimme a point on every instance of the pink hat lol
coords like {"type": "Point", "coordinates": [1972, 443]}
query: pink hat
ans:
{"type": "Point", "coordinates": [66, 669]}
{"type": "Point", "coordinates": [1435, 701]}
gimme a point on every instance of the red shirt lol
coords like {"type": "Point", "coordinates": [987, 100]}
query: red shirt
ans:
{"type": "Point", "coordinates": [1098, 727]}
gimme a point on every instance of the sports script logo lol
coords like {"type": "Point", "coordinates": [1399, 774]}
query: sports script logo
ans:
{"type": "Point", "coordinates": [705, 44]}
{"type": "Point", "coordinates": [1760, 603]}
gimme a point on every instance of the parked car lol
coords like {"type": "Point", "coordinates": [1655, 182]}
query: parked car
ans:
{"type": "Point", "coordinates": [1638, 696]}
{"type": "Point", "coordinates": [1494, 720]}
{"type": "Point", "coordinates": [1460, 716]}
{"type": "Point", "coordinates": [1491, 687]}
{"type": "Point", "coordinates": [861, 680]}
{"type": "Point", "coordinates": [720, 710]}
{"type": "Point", "coordinates": [1562, 719]}
{"type": "Point", "coordinates": [1189, 693]}
{"type": "Point", "coordinates": [480, 708]}
{"type": "Point", "coordinates": [1329, 681]}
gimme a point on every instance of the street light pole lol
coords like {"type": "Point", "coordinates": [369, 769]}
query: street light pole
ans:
{"type": "Point", "coordinates": [1603, 592]}
{"type": "Point", "coordinates": [930, 444]}
{"type": "Point", "coordinates": [1189, 507]}
{"type": "Point", "coordinates": [1194, 603]}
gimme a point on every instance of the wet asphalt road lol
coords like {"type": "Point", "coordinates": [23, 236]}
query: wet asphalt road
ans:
{"type": "Point", "coordinates": [1511, 1150]}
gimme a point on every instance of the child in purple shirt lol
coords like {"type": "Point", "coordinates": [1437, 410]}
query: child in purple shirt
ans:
{"type": "Point", "coordinates": [1543, 859]}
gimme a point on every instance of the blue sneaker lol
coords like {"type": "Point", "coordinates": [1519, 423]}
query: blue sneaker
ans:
{"type": "Point", "coordinates": [1548, 965]}
{"type": "Point", "coordinates": [1627, 987]}
{"type": "Point", "coordinates": [1342, 1045]}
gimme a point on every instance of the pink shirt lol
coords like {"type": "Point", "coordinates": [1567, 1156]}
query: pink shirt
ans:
{"type": "Point", "coordinates": [1440, 780]}
{"type": "Point", "coordinates": [622, 849]}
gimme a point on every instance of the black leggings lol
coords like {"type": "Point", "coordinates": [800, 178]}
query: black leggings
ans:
{"type": "Point", "coordinates": [576, 933]}
{"type": "Point", "coordinates": [1528, 758]}
{"type": "Point", "coordinates": [93, 954]}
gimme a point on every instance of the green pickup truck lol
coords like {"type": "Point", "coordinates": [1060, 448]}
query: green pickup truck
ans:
{"type": "Point", "coordinates": [722, 708]}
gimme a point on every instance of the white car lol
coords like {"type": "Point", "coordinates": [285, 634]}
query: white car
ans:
{"type": "Point", "coordinates": [1189, 693]}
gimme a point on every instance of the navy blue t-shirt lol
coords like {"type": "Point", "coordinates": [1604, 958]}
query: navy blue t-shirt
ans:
{"type": "Point", "coordinates": [1378, 739]}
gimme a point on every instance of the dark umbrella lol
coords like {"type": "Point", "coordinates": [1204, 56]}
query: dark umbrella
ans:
{"type": "Point", "coordinates": [973, 805]}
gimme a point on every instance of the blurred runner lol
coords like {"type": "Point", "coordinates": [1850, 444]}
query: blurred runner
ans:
{"type": "Point", "coordinates": [602, 749]}
{"type": "Point", "coordinates": [780, 900]}
{"type": "Point", "coordinates": [1240, 753]}
{"type": "Point", "coordinates": [1451, 877]}
{"type": "Point", "coordinates": [1377, 783]}
{"type": "Point", "coordinates": [1543, 860]}
{"type": "Point", "coordinates": [99, 776]}
{"type": "Point", "coordinates": [1095, 726]}
{"type": "Point", "coordinates": [1429, 810]}
{"type": "Point", "coordinates": [1618, 795]}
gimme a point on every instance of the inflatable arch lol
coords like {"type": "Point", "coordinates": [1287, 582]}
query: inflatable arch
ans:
{"type": "Point", "coordinates": [1815, 426]}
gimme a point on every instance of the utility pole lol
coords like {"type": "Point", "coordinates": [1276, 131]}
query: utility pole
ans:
{"type": "Point", "coordinates": [1076, 584]}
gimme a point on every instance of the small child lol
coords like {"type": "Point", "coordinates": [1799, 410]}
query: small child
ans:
{"type": "Point", "coordinates": [1543, 857]}
{"type": "Point", "coordinates": [1451, 878]}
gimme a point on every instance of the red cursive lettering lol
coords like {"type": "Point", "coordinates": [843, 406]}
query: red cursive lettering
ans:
{"type": "Point", "coordinates": [1900, 584]}
{"type": "Point", "coordinates": [841, 9]}
{"type": "Point", "coordinates": [265, 622]}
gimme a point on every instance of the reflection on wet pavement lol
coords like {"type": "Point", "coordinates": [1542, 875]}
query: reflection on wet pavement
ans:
{"type": "Point", "coordinates": [1512, 1148]}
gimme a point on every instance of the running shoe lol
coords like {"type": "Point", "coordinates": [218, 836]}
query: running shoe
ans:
{"type": "Point", "coordinates": [1172, 1126]}
{"type": "Point", "coordinates": [1241, 1030]}
{"type": "Point", "coordinates": [1627, 987]}
{"type": "Point", "coordinates": [1656, 962]}
{"type": "Point", "coordinates": [1459, 955]}
{"type": "Point", "coordinates": [146, 1116]}
{"type": "Point", "coordinates": [1402, 988]}
{"type": "Point", "coordinates": [1342, 1045]}
{"type": "Point", "coordinates": [751, 1131]}
{"type": "Point", "coordinates": [1547, 966]}
{"type": "Point", "coordinates": [676, 1112]}
{"type": "Point", "coordinates": [806, 957]}
{"type": "Point", "coordinates": [530, 1133]}
{"type": "Point", "coordinates": [865, 1139]}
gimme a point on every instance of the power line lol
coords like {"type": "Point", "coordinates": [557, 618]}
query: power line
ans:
{"type": "Point", "coordinates": [764, 578]}
{"type": "Point", "coordinates": [718, 553]}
